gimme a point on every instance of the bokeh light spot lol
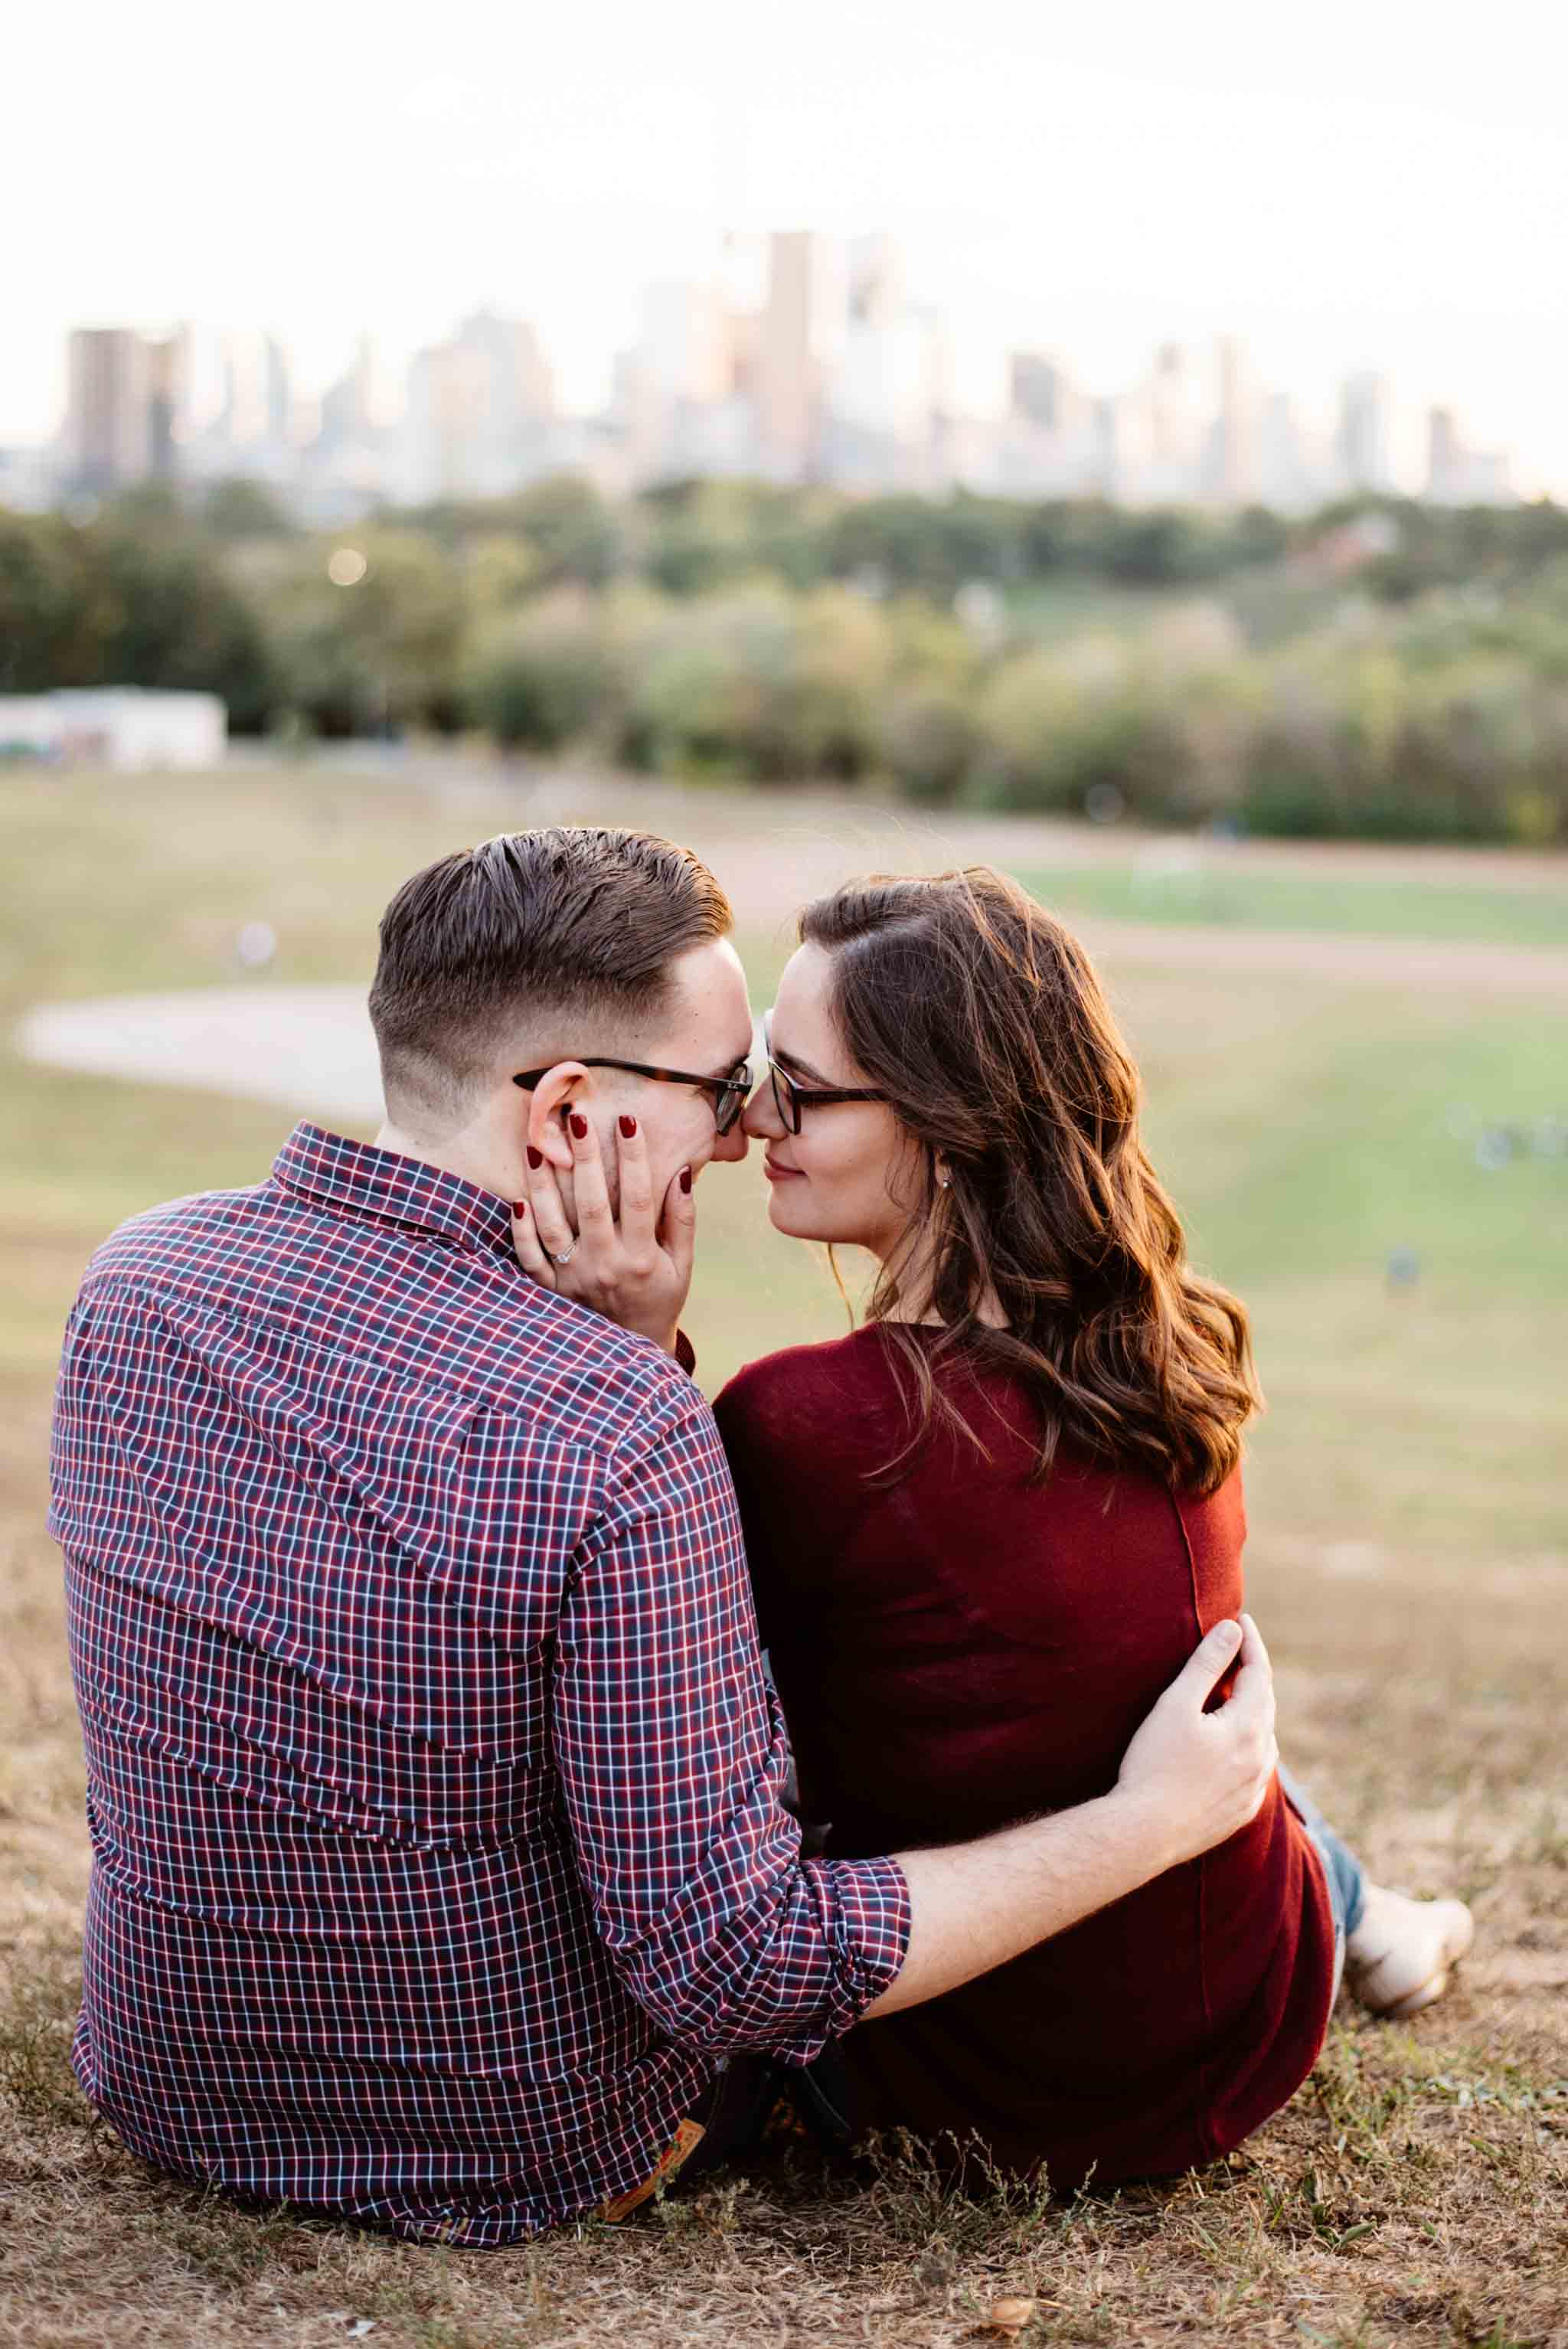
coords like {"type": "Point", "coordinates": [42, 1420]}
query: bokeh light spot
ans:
{"type": "Point", "coordinates": [345, 566]}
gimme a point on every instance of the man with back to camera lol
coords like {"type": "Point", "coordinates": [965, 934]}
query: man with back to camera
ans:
{"type": "Point", "coordinates": [440, 1858]}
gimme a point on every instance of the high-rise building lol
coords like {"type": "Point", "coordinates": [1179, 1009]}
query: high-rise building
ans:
{"type": "Point", "coordinates": [683, 351]}
{"type": "Point", "coordinates": [1158, 443]}
{"type": "Point", "coordinates": [1231, 468]}
{"type": "Point", "coordinates": [678, 401]}
{"type": "Point", "coordinates": [1461, 476]}
{"type": "Point", "coordinates": [1361, 443]}
{"type": "Point", "coordinates": [444, 425]}
{"type": "Point", "coordinates": [252, 430]}
{"type": "Point", "coordinates": [346, 421]}
{"type": "Point", "coordinates": [166, 376]}
{"type": "Point", "coordinates": [1290, 468]}
{"type": "Point", "coordinates": [1442, 452]}
{"type": "Point", "coordinates": [521, 388]}
{"type": "Point", "coordinates": [875, 293]}
{"type": "Point", "coordinates": [800, 338]}
{"type": "Point", "coordinates": [743, 264]}
{"type": "Point", "coordinates": [1037, 391]}
{"type": "Point", "coordinates": [1051, 442]}
{"type": "Point", "coordinates": [889, 385]}
{"type": "Point", "coordinates": [348, 465]}
{"type": "Point", "coordinates": [1175, 420]}
{"type": "Point", "coordinates": [125, 408]}
{"type": "Point", "coordinates": [477, 406]}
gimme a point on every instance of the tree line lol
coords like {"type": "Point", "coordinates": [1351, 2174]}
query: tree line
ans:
{"type": "Point", "coordinates": [1384, 669]}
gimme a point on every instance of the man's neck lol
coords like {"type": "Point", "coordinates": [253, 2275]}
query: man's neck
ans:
{"type": "Point", "coordinates": [471, 1155]}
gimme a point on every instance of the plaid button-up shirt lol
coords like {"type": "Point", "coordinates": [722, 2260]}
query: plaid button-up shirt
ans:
{"type": "Point", "coordinates": [432, 1777]}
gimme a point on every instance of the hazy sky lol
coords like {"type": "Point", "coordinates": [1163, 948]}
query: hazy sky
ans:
{"type": "Point", "coordinates": [1342, 185]}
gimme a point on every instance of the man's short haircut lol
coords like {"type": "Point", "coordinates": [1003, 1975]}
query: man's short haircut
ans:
{"type": "Point", "coordinates": [532, 933]}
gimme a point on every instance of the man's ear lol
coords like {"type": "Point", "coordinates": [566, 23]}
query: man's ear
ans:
{"type": "Point", "coordinates": [555, 1087]}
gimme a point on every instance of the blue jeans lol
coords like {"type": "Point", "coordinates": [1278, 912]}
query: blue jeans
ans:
{"type": "Point", "coordinates": [1347, 1876]}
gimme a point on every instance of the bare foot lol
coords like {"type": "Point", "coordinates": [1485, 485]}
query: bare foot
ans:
{"type": "Point", "coordinates": [1398, 1958]}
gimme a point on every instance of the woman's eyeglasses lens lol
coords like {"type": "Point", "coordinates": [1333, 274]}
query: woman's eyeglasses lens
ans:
{"type": "Point", "coordinates": [786, 1100]}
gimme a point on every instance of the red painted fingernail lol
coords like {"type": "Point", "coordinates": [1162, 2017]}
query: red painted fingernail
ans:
{"type": "Point", "coordinates": [685, 1178]}
{"type": "Point", "coordinates": [519, 1208]}
{"type": "Point", "coordinates": [535, 1157]}
{"type": "Point", "coordinates": [579, 1126]}
{"type": "Point", "coordinates": [628, 1126]}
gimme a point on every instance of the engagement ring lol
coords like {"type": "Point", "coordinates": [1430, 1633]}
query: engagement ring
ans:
{"type": "Point", "coordinates": [567, 1257]}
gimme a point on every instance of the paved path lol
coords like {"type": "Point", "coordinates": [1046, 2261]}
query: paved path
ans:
{"type": "Point", "coordinates": [310, 1048]}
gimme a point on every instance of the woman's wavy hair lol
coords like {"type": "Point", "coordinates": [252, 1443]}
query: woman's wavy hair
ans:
{"type": "Point", "coordinates": [982, 1021]}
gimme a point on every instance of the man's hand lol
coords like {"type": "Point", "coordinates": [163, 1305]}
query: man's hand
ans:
{"type": "Point", "coordinates": [1204, 1774]}
{"type": "Point", "coordinates": [1189, 1780]}
{"type": "Point", "coordinates": [635, 1270]}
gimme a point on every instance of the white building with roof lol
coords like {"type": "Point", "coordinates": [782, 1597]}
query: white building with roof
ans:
{"type": "Point", "coordinates": [129, 729]}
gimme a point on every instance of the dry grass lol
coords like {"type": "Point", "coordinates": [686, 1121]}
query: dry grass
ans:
{"type": "Point", "coordinates": [1413, 2193]}
{"type": "Point", "coordinates": [1415, 2190]}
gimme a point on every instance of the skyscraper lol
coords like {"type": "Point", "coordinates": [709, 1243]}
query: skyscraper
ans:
{"type": "Point", "coordinates": [1442, 453]}
{"type": "Point", "coordinates": [1232, 452]}
{"type": "Point", "coordinates": [477, 409]}
{"type": "Point", "coordinates": [887, 384]}
{"type": "Point", "coordinates": [1461, 476]}
{"type": "Point", "coordinates": [123, 412]}
{"type": "Point", "coordinates": [800, 339]}
{"type": "Point", "coordinates": [345, 418]}
{"type": "Point", "coordinates": [252, 432]}
{"type": "Point", "coordinates": [279, 394]}
{"type": "Point", "coordinates": [1290, 468]}
{"type": "Point", "coordinates": [1361, 444]}
{"type": "Point", "coordinates": [1037, 390]}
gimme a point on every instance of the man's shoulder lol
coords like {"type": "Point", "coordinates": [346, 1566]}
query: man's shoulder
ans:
{"type": "Point", "coordinates": [395, 1304]}
{"type": "Point", "coordinates": [154, 1239]}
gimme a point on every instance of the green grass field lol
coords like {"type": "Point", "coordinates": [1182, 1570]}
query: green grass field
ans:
{"type": "Point", "coordinates": [1306, 1133]}
{"type": "Point", "coordinates": [1204, 887]}
{"type": "Point", "coordinates": [1409, 1556]}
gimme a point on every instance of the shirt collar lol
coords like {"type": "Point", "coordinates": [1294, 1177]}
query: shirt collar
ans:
{"type": "Point", "coordinates": [361, 1180]}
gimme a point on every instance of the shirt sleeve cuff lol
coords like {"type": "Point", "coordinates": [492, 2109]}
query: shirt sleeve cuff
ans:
{"type": "Point", "coordinates": [870, 1909]}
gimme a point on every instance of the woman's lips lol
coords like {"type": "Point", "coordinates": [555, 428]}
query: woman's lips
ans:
{"type": "Point", "coordinates": [777, 1173]}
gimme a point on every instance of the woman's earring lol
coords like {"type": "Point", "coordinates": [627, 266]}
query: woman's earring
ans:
{"type": "Point", "coordinates": [944, 1179]}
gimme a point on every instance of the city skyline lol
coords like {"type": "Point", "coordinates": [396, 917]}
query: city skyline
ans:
{"type": "Point", "coordinates": [793, 357]}
{"type": "Point", "coordinates": [1354, 193]}
{"type": "Point", "coordinates": [1406, 424]}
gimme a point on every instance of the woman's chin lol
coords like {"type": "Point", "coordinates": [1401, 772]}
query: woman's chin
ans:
{"type": "Point", "coordinates": [793, 1225]}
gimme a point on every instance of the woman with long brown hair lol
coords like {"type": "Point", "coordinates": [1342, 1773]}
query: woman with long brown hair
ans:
{"type": "Point", "coordinates": [987, 1526]}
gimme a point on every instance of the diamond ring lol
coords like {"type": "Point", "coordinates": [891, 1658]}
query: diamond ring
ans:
{"type": "Point", "coordinates": [567, 1257]}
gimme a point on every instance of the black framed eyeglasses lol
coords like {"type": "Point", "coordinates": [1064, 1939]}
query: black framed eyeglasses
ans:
{"type": "Point", "coordinates": [730, 1095]}
{"type": "Point", "coordinates": [791, 1099]}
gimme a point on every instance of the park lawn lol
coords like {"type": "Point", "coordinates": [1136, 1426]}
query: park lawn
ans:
{"type": "Point", "coordinates": [1193, 885]}
{"type": "Point", "coordinates": [1409, 1562]}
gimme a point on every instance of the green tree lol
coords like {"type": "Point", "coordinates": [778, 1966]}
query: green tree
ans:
{"type": "Point", "coordinates": [377, 652]}
{"type": "Point", "coordinates": [167, 612]}
{"type": "Point", "coordinates": [238, 508]}
{"type": "Point", "coordinates": [545, 674]}
{"type": "Point", "coordinates": [53, 617]}
{"type": "Point", "coordinates": [576, 539]}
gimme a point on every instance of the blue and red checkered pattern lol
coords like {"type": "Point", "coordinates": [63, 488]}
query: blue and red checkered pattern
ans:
{"type": "Point", "coordinates": [432, 1777]}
